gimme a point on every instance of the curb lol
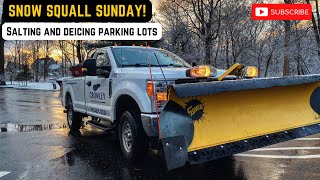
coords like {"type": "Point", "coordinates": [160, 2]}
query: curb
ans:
{"type": "Point", "coordinates": [26, 88]}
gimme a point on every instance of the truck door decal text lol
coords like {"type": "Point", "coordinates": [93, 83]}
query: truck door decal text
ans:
{"type": "Point", "coordinates": [99, 111]}
{"type": "Point", "coordinates": [97, 96]}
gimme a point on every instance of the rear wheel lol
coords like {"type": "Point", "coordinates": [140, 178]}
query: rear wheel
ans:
{"type": "Point", "coordinates": [133, 140]}
{"type": "Point", "coordinates": [74, 118]}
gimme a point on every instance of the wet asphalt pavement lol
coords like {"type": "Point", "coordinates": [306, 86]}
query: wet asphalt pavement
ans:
{"type": "Point", "coordinates": [30, 107]}
{"type": "Point", "coordinates": [52, 152]}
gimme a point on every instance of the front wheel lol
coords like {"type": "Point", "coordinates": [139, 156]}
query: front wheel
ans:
{"type": "Point", "coordinates": [133, 140]}
{"type": "Point", "coordinates": [74, 118]}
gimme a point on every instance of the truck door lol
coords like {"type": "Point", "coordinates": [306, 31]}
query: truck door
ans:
{"type": "Point", "coordinates": [78, 87]}
{"type": "Point", "coordinates": [97, 90]}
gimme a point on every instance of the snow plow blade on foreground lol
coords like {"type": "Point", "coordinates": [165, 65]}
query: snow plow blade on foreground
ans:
{"type": "Point", "coordinates": [209, 120]}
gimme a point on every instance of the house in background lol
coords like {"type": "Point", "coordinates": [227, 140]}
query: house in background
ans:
{"type": "Point", "coordinates": [55, 70]}
{"type": "Point", "coordinates": [40, 68]}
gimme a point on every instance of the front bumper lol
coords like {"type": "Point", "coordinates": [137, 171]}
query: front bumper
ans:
{"type": "Point", "coordinates": [150, 124]}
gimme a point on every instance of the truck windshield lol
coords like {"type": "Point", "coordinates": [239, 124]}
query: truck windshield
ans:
{"type": "Point", "coordinates": [138, 57]}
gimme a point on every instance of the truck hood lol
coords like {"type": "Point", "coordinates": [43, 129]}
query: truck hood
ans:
{"type": "Point", "coordinates": [170, 73]}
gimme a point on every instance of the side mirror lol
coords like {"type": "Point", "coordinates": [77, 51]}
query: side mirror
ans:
{"type": "Point", "coordinates": [104, 71]}
{"type": "Point", "coordinates": [106, 68]}
{"type": "Point", "coordinates": [193, 64]}
{"type": "Point", "coordinates": [90, 67]}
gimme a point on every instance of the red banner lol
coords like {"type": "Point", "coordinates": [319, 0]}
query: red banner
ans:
{"type": "Point", "coordinates": [281, 11]}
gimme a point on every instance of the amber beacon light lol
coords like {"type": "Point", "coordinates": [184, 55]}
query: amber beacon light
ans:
{"type": "Point", "coordinates": [199, 72]}
{"type": "Point", "coordinates": [252, 71]}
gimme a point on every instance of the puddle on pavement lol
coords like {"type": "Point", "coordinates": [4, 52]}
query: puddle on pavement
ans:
{"type": "Point", "coordinates": [9, 127]}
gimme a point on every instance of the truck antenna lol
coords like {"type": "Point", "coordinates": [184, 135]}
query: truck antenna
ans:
{"type": "Point", "coordinates": [161, 69]}
{"type": "Point", "coordinates": [121, 57]}
{"type": "Point", "coordinates": [154, 96]}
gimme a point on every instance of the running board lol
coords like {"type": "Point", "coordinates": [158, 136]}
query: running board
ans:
{"type": "Point", "coordinates": [99, 126]}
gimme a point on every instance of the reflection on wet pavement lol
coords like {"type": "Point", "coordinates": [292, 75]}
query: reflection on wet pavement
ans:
{"type": "Point", "coordinates": [56, 154]}
{"type": "Point", "coordinates": [101, 152]}
{"type": "Point", "coordinates": [30, 107]}
{"type": "Point", "coordinates": [8, 127]}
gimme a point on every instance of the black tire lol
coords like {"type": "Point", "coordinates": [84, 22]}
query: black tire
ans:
{"type": "Point", "coordinates": [139, 141]}
{"type": "Point", "coordinates": [74, 119]}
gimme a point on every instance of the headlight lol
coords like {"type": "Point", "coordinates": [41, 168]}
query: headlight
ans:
{"type": "Point", "coordinates": [157, 91]}
{"type": "Point", "coordinates": [162, 96]}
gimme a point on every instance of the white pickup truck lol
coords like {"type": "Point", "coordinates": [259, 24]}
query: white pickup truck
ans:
{"type": "Point", "coordinates": [195, 114]}
{"type": "Point", "coordinates": [116, 91]}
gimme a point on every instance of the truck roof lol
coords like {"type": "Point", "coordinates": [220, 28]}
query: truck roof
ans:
{"type": "Point", "coordinates": [136, 47]}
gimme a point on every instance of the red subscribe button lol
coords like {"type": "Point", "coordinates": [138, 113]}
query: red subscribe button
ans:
{"type": "Point", "coordinates": [281, 11]}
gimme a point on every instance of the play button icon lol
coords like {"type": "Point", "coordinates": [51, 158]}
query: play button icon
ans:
{"type": "Point", "coordinates": [261, 11]}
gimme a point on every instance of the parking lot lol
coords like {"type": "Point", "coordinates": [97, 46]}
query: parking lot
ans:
{"type": "Point", "coordinates": [39, 146]}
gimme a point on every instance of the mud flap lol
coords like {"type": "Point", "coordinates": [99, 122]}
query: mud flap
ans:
{"type": "Point", "coordinates": [175, 152]}
{"type": "Point", "coordinates": [218, 119]}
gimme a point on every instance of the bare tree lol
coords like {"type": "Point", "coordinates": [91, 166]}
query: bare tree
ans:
{"type": "Point", "coordinates": [2, 75]}
{"type": "Point", "coordinates": [287, 33]}
{"type": "Point", "coordinates": [271, 45]}
{"type": "Point", "coordinates": [316, 29]}
{"type": "Point", "coordinates": [36, 52]}
{"type": "Point", "coordinates": [79, 46]}
{"type": "Point", "coordinates": [204, 18]}
{"type": "Point", "coordinates": [178, 37]}
{"type": "Point", "coordinates": [33, 50]}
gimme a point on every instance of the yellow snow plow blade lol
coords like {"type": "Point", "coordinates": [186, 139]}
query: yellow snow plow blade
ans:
{"type": "Point", "coordinates": [234, 116]}
{"type": "Point", "coordinates": [216, 119]}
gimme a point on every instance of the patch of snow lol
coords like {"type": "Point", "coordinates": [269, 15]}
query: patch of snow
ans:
{"type": "Point", "coordinates": [64, 78]}
{"type": "Point", "coordinates": [54, 66]}
{"type": "Point", "coordinates": [33, 85]}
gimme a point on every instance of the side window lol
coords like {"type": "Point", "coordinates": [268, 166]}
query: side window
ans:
{"type": "Point", "coordinates": [107, 60]}
{"type": "Point", "coordinates": [102, 59]}
{"type": "Point", "coordinates": [92, 54]}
